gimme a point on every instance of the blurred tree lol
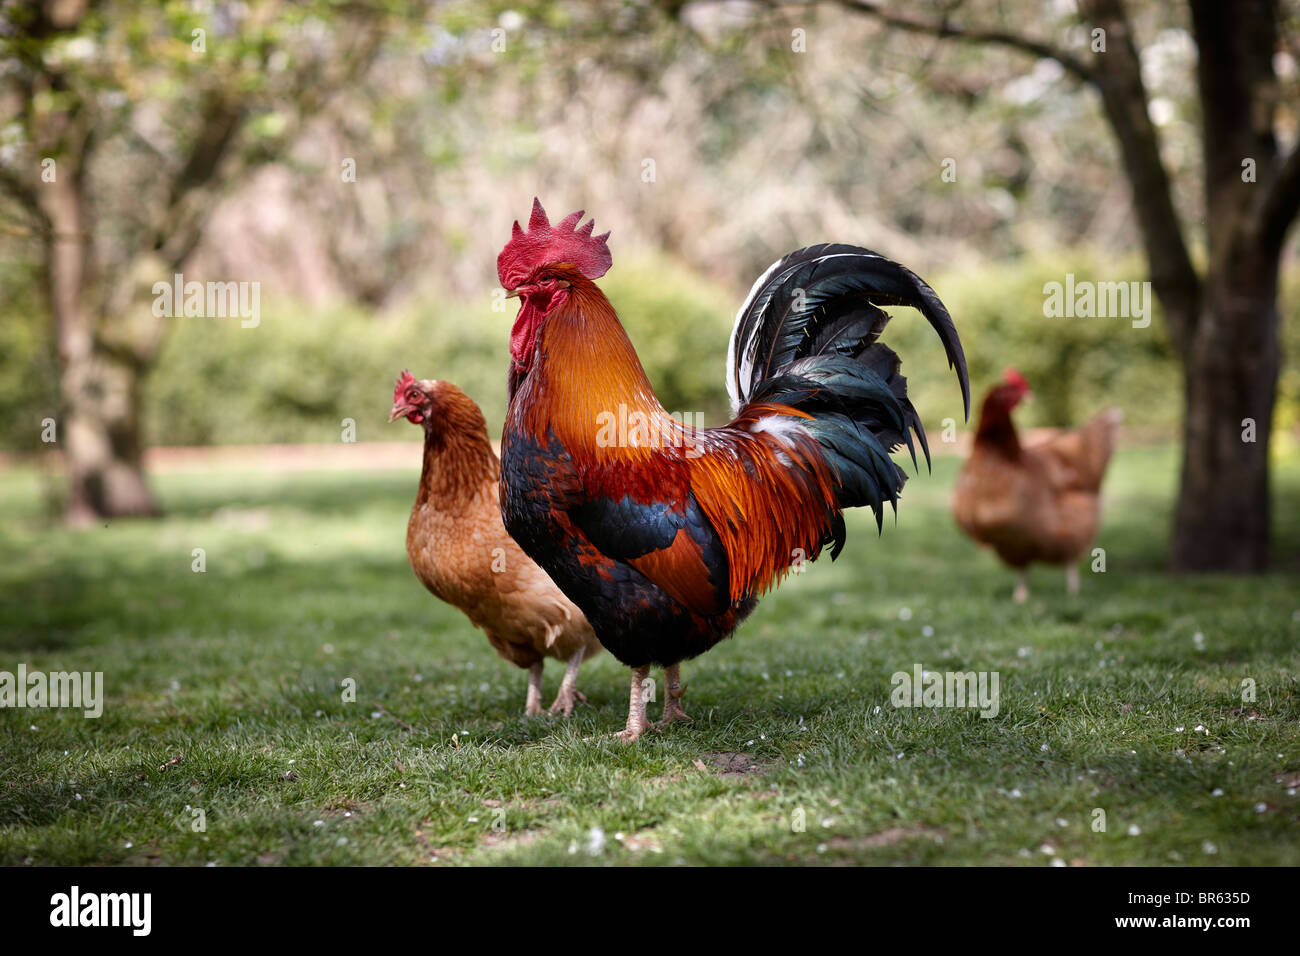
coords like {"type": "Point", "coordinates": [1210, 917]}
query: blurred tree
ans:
{"type": "Point", "coordinates": [125, 123]}
{"type": "Point", "coordinates": [1224, 319]}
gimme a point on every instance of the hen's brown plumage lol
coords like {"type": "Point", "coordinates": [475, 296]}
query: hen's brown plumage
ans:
{"type": "Point", "coordinates": [459, 548]}
{"type": "Point", "coordinates": [1037, 503]}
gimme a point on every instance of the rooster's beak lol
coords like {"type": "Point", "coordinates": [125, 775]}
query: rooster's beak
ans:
{"type": "Point", "coordinates": [398, 411]}
{"type": "Point", "coordinates": [513, 294]}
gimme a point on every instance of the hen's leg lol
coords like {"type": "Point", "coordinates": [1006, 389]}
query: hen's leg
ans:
{"type": "Point", "coordinates": [1072, 579]}
{"type": "Point", "coordinates": [569, 686]}
{"type": "Point", "coordinates": [533, 706]}
{"type": "Point", "coordinates": [636, 722]}
{"type": "Point", "coordinates": [1021, 594]}
{"type": "Point", "coordinates": [673, 691]}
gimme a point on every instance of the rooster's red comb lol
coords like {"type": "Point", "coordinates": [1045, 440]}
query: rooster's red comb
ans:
{"type": "Point", "coordinates": [404, 381]}
{"type": "Point", "coordinates": [1012, 377]}
{"type": "Point", "coordinates": [543, 244]}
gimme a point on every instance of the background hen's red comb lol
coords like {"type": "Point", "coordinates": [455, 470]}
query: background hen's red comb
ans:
{"type": "Point", "coordinates": [404, 381]}
{"type": "Point", "coordinates": [544, 243]}
{"type": "Point", "coordinates": [1013, 377]}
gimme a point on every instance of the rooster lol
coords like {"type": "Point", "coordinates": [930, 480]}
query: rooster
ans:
{"type": "Point", "coordinates": [667, 538]}
{"type": "Point", "coordinates": [460, 551]}
{"type": "Point", "coordinates": [1036, 503]}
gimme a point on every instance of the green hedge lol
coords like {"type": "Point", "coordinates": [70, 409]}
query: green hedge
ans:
{"type": "Point", "coordinates": [302, 371]}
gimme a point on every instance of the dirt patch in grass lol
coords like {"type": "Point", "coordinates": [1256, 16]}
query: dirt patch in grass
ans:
{"type": "Point", "coordinates": [430, 852]}
{"type": "Point", "coordinates": [886, 837]}
{"type": "Point", "coordinates": [504, 839]}
{"type": "Point", "coordinates": [729, 763]}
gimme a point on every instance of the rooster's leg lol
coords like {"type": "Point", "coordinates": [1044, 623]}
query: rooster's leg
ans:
{"type": "Point", "coordinates": [673, 691]}
{"type": "Point", "coordinates": [636, 722]}
{"type": "Point", "coordinates": [1072, 579]}
{"type": "Point", "coordinates": [569, 686]}
{"type": "Point", "coordinates": [1022, 587]}
{"type": "Point", "coordinates": [533, 706]}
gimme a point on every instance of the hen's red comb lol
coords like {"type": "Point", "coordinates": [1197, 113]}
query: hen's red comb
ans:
{"type": "Point", "coordinates": [543, 244]}
{"type": "Point", "coordinates": [404, 381]}
{"type": "Point", "coordinates": [1012, 377]}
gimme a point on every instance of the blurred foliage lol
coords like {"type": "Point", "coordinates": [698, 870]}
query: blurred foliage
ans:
{"type": "Point", "coordinates": [29, 375]}
{"type": "Point", "coordinates": [297, 375]}
{"type": "Point", "coordinates": [303, 370]}
{"type": "Point", "coordinates": [469, 111]}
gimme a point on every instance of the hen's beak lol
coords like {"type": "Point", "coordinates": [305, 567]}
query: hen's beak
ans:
{"type": "Point", "coordinates": [398, 411]}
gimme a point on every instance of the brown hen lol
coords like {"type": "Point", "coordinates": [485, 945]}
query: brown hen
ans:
{"type": "Point", "coordinates": [1037, 503]}
{"type": "Point", "coordinates": [459, 549]}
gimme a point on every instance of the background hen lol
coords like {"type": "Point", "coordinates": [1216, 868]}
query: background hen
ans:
{"type": "Point", "coordinates": [460, 551]}
{"type": "Point", "coordinates": [1038, 503]}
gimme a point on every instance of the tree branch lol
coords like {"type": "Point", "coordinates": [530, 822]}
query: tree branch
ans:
{"type": "Point", "coordinates": [945, 29]}
{"type": "Point", "coordinates": [1282, 202]}
{"type": "Point", "coordinates": [1117, 78]}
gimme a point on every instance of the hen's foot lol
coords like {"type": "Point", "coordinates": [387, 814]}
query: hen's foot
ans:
{"type": "Point", "coordinates": [1072, 580]}
{"type": "Point", "coordinates": [564, 702]}
{"type": "Point", "coordinates": [1021, 594]}
{"type": "Point", "coordinates": [533, 705]}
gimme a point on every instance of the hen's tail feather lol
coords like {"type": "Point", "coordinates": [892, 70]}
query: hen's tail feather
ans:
{"type": "Point", "coordinates": [807, 337]}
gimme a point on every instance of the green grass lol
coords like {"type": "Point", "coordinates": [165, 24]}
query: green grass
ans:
{"type": "Point", "coordinates": [238, 672]}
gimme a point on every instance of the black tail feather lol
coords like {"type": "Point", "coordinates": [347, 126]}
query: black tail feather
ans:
{"type": "Point", "coordinates": [808, 337]}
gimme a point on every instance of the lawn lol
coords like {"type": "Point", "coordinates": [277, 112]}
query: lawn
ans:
{"type": "Point", "coordinates": [225, 693]}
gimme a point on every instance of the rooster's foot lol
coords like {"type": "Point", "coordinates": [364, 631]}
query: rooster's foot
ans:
{"type": "Point", "coordinates": [636, 720]}
{"type": "Point", "coordinates": [673, 713]}
{"type": "Point", "coordinates": [673, 691]}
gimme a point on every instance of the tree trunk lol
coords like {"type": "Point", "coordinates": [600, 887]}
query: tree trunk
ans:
{"type": "Point", "coordinates": [1223, 515]}
{"type": "Point", "coordinates": [100, 430]}
{"type": "Point", "coordinates": [102, 449]}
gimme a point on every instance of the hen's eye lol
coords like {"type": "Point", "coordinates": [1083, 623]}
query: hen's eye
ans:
{"type": "Point", "coordinates": [413, 396]}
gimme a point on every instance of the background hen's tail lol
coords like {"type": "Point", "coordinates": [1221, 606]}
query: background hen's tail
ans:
{"type": "Point", "coordinates": [807, 337]}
